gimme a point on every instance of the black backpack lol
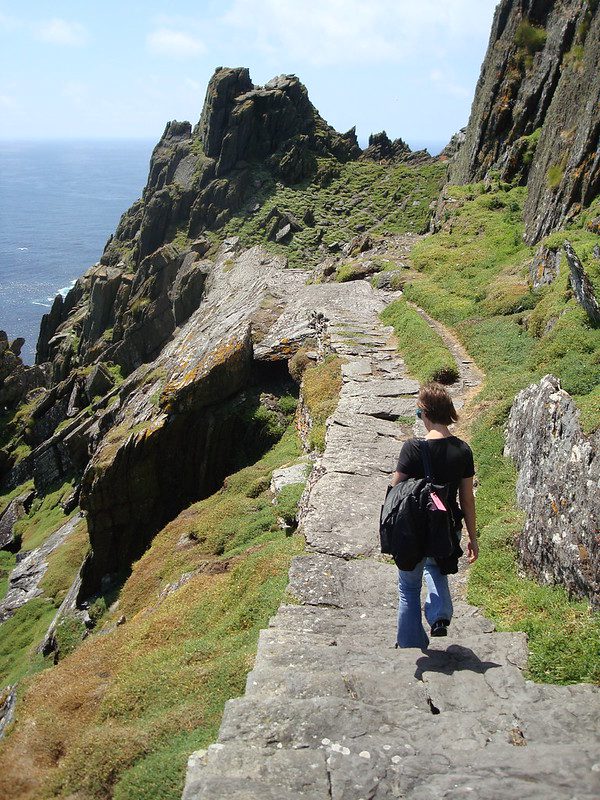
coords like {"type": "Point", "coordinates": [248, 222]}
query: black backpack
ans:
{"type": "Point", "coordinates": [416, 519]}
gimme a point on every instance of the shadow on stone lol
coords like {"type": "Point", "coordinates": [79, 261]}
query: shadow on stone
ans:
{"type": "Point", "coordinates": [455, 659]}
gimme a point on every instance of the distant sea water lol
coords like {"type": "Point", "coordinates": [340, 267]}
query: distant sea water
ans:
{"type": "Point", "coordinates": [59, 203]}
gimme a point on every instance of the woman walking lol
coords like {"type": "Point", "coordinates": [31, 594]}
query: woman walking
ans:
{"type": "Point", "coordinates": [451, 462]}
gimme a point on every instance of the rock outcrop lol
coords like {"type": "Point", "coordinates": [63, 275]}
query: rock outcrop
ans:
{"type": "Point", "coordinates": [16, 509]}
{"type": "Point", "coordinates": [151, 275]}
{"type": "Point", "coordinates": [17, 379]}
{"type": "Point", "coordinates": [557, 487]}
{"type": "Point", "coordinates": [384, 150]}
{"type": "Point", "coordinates": [199, 177]}
{"type": "Point", "coordinates": [582, 285]}
{"type": "Point", "coordinates": [536, 112]}
{"type": "Point", "coordinates": [23, 581]}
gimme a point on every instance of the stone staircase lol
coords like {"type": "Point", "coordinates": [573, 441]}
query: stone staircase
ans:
{"type": "Point", "coordinates": [332, 710]}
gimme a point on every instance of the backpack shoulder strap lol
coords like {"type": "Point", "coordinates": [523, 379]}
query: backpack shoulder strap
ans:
{"type": "Point", "coordinates": [426, 458]}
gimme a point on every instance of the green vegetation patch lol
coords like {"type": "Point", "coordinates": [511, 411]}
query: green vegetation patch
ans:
{"type": "Point", "coordinates": [119, 716]}
{"type": "Point", "coordinates": [287, 502]}
{"type": "Point", "coordinates": [7, 563]}
{"type": "Point", "coordinates": [21, 634]}
{"type": "Point", "coordinates": [321, 390]}
{"type": "Point", "coordinates": [343, 199]}
{"type": "Point", "coordinates": [44, 518]}
{"type": "Point", "coordinates": [423, 350]}
{"type": "Point", "coordinates": [529, 39]}
{"type": "Point", "coordinates": [64, 563]}
{"type": "Point", "coordinates": [530, 142]}
{"type": "Point", "coordinates": [554, 175]}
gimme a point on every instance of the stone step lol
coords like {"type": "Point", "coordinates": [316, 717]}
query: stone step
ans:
{"type": "Point", "coordinates": [343, 772]}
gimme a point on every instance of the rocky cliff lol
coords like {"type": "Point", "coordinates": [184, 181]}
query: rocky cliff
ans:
{"type": "Point", "coordinates": [146, 371]}
{"type": "Point", "coordinates": [536, 113]}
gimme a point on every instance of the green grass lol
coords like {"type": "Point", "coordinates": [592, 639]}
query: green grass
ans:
{"type": "Point", "coordinates": [531, 143]}
{"type": "Point", "coordinates": [473, 275]}
{"type": "Point", "coordinates": [321, 389]}
{"type": "Point", "coordinates": [554, 175]}
{"type": "Point", "coordinates": [361, 193]}
{"type": "Point", "coordinates": [121, 713]}
{"type": "Point", "coordinates": [44, 517]}
{"type": "Point", "coordinates": [427, 357]}
{"type": "Point", "coordinates": [64, 563]}
{"type": "Point", "coordinates": [287, 502]}
{"type": "Point", "coordinates": [7, 563]}
{"type": "Point", "coordinates": [530, 37]}
{"type": "Point", "coordinates": [21, 633]}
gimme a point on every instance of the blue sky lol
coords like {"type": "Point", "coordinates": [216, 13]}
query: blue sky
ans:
{"type": "Point", "coordinates": [122, 69]}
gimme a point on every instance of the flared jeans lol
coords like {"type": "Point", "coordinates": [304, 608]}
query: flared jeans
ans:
{"type": "Point", "coordinates": [438, 604]}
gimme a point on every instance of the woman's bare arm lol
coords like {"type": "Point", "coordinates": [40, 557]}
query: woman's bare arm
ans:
{"type": "Point", "coordinates": [467, 504]}
{"type": "Point", "coordinates": [397, 477]}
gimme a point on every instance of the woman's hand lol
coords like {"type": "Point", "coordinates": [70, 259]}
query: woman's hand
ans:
{"type": "Point", "coordinates": [472, 550]}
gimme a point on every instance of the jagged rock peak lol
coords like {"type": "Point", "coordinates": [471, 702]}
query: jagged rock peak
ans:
{"type": "Point", "coordinates": [225, 85]}
{"type": "Point", "coordinates": [382, 148]}
{"type": "Point", "coordinates": [241, 121]}
{"type": "Point", "coordinates": [456, 140]}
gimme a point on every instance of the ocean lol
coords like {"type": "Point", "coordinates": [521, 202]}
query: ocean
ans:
{"type": "Point", "coordinates": [59, 203]}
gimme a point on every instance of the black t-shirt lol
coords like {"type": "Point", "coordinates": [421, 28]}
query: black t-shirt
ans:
{"type": "Point", "coordinates": [451, 460]}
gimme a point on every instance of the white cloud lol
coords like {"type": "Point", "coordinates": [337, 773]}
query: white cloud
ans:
{"type": "Point", "coordinates": [174, 43]}
{"type": "Point", "coordinates": [7, 101]}
{"type": "Point", "coordinates": [62, 32]}
{"type": "Point", "coordinates": [325, 32]}
{"type": "Point", "coordinates": [446, 84]}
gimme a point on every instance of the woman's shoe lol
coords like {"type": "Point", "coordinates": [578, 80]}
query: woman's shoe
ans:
{"type": "Point", "coordinates": [440, 627]}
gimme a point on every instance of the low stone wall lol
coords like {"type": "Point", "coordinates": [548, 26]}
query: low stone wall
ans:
{"type": "Point", "coordinates": [557, 487]}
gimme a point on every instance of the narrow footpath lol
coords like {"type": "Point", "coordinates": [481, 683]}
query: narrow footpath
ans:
{"type": "Point", "coordinates": [332, 711]}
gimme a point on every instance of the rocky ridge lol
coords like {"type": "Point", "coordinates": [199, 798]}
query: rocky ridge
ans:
{"type": "Point", "coordinates": [331, 709]}
{"type": "Point", "coordinates": [536, 113]}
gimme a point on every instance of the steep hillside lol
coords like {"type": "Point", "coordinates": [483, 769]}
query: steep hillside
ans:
{"type": "Point", "coordinates": [536, 112]}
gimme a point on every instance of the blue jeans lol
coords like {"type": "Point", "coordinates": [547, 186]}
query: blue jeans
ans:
{"type": "Point", "coordinates": [438, 604]}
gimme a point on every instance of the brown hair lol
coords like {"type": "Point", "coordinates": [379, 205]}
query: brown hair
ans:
{"type": "Point", "coordinates": [435, 401]}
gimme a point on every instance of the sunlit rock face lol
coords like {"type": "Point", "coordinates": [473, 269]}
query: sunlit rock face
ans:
{"type": "Point", "coordinates": [536, 113]}
{"type": "Point", "coordinates": [557, 487]}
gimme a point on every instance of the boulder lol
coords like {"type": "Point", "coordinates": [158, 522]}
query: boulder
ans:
{"type": "Point", "coordinates": [545, 266]}
{"type": "Point", "coordinates": [98, 382]}
{"type": "Point", "coordinates": [557, 487]}
{"type": "Point", "coordinates": [582, 286]}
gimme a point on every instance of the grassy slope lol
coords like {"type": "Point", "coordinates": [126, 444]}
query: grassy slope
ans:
{"type": "Point", "coordinates": [119, 716]}
{"type": "Point", "coordinates": [473, 276]}
{"type": "Point", "coordinates": [427, 358]}
{"type": "Point", "coordinates": [381, 198]}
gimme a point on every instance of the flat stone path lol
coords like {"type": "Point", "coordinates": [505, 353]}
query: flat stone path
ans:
{"type": "Point", "coordinates": [332, 710]}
